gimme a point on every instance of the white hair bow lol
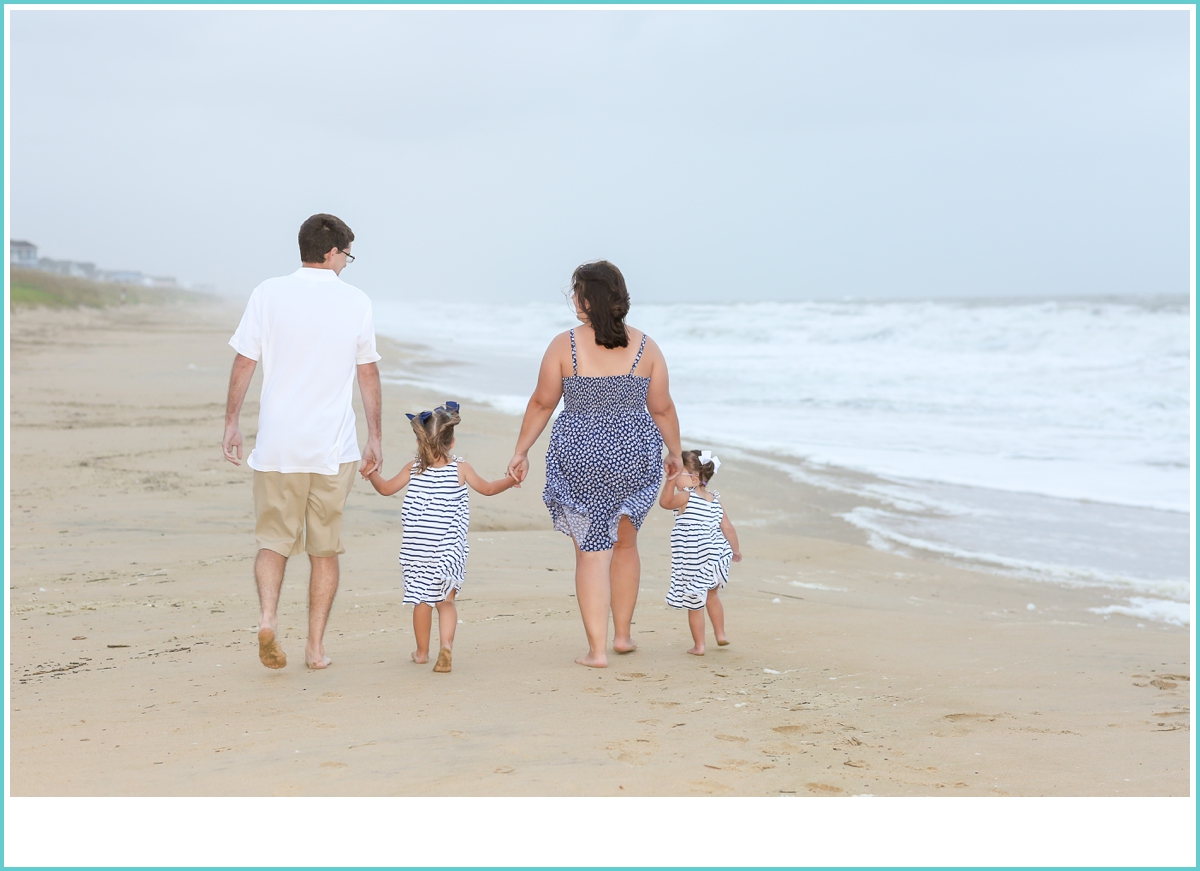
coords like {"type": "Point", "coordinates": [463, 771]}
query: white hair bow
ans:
{"type": "Point", "coordinates": [708, 457]}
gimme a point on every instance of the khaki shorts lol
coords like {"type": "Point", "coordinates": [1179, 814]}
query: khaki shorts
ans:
{"type": "Point", "coordinates": [300, 511]}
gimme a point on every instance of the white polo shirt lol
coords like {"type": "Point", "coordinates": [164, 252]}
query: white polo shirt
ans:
{"type": "Point", "coordinates": [309, 330]}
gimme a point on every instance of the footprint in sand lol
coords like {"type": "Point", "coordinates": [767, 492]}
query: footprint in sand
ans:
{"type": "Point", "coordinates": [329, 697]}
{"type": "Point", "coordinates": [333, 765]}
{"type": "Point", "coordinates": [986, 718]}
{"type": "Point", "coordinates": [823, 789]}
{"type": "Point", "coordinates": [730, 738]}
{"type": "Point", "coordinates": [1163, 684]}
{"type": "Point", "coordinates": [505, 769]}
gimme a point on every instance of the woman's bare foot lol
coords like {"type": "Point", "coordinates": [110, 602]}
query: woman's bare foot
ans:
{"type": "Point", "coordinates": [269, 652]}
{"type": "Point", "coordinates": [318, 664]}
{"type": "Point", "coordinates": [698, 650]}
{"type": "Point", "coordinates": [597, 661]}
{"type": "Point", "coordinates": [624, 645]}
{"type": "Point", "coordinates": [419, 658]}
{"type": "Point", "coordinates": [442, 666]}
{"type": "Point", "coordinates": [721, 642]}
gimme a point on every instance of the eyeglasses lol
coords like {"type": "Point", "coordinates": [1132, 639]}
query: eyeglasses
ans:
{"type": "Point", "coordinates": [349, 257]}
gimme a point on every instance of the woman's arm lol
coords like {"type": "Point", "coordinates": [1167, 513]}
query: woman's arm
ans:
{"type": "Point", "coordinates": [390, 486]}
{"type": "Point", "coordinates": [541, 405]}
{"type": "Point", "coordinates": [731, 536]}
{"type": "Point", "coordinates": [480, 486]}
{"type": "Point", "coordinates": [662, 408]}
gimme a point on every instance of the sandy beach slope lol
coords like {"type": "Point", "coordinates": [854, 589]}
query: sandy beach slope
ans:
{"type": "Point", "coordinates": [134, 671]}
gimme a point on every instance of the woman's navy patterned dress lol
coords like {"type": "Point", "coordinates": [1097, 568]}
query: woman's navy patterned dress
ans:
{"type": "Point", "coordinates": [604, 458]}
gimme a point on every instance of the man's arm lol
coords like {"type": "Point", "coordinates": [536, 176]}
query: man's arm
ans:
{"type": "Point", "coordinates": [239, 383]}
{"type": "Point", "coordinates": [372, 400]}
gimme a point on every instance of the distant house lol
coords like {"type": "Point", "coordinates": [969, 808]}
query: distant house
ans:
{"type": "Point", "coordinates": [121, 276]}
{"type": "Point", "coordinates": [22, 253]}
{"type": "Point", "coordinates": [159, 281]}
{"type": "Point", "coordinates": [67, 267]}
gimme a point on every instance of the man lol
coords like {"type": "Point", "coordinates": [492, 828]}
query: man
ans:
{"type": "Point", "coordinates": [314, 334]}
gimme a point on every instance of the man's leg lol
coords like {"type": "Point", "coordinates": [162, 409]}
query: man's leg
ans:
{"type": "Point", "coordinates": [279, 501]}
{"type": "Point", "coordinates": [323, 541]}
{"type": "Point", "coordinates": [268, 576]}
{"type": "Point", "coordinates": [322, 587]}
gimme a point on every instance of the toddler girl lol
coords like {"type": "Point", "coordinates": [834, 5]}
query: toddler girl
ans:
{"type": "Point", "coordinates": [435, 512]}
{"type": "Point", "coordinates": [703, 543]}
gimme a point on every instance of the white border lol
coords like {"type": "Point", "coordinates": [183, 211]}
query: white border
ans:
{"type": "Point", "coordinates": [1096, 832]}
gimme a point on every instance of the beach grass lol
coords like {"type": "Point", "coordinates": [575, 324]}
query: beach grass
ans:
{"type": "Point", "coordinates": [35, 287]}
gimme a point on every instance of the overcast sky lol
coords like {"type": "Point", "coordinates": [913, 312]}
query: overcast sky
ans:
{"type": "Point", "coordinates": [711, 154]}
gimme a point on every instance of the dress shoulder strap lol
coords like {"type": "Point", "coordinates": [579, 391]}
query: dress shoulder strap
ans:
{"type": "Point", "coordinates": [638, 358]}
{"type": "Point", "coordinates": [574, 360]}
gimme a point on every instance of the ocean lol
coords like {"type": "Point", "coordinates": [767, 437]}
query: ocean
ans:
{"type": "Point", "coordinates": [1047, 439]}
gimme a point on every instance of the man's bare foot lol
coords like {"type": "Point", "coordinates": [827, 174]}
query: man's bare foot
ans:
{"type": "Point", "coordinates": [269, 652]}
{"type": "Point", "coordinates": [419, 658]}
{"type": "Point", "coordinates": [598, 661]}
{"type": "Point", "coordinates": [624, 646]}
{"type": "Point", "coordinates": [721, 642]}
{"type": "Point", "coordinates": [698, 650]}
{"type": "Point", "coordinates": [316, 660]}
{"type": "Point", "coordinates": [442, 666]}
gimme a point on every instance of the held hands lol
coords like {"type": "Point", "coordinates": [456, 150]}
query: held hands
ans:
{"type": "Point", "coordinates": [518, 468]}
{"type": "Point", "coordinates": [231, 445]}
{"type": "Point", "coordinates": [372, 460]}
{"type": "Point", "coordinates": [673, 466]}
{"type": "Point", "coordinates": [737, 556]}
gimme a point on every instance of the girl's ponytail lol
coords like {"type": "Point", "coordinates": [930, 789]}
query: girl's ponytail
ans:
{"type": "Point", "coordinates": [435, 433]}
{"type": "Point", "coordinates": [702, 470]}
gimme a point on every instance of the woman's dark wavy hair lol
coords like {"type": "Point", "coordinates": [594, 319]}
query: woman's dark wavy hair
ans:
{"type": "Point", "coordinates": [600, 287]}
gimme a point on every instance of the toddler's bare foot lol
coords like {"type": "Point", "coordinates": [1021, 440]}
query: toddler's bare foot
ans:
{"type": "Point", "coordinates": [721, 642]}
{"type": "Point", "coordinates": [442, 666]}
{"type": "Point", "coordinates": [269, 652]}
{"type": "Point", "coordinates": [698, 650]}
{"type": "Point", "coordinates": [597, 661]}
{"type": "Point", "coordinates": [420, 658]}
{"type": "Point", "coordinates": [624, 645]}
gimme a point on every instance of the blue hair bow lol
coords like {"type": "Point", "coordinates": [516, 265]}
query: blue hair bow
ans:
{"type": "Point", "coordinates": [425, 415]}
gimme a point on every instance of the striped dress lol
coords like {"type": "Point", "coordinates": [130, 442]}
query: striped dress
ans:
{"type": "Point", "coordinates": [433, 555]}
{"type": "Point", "coordinates": [700, 553]}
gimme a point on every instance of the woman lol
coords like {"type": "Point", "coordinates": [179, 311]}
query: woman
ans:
{"type": "Point", "coordinates": [604, 463]}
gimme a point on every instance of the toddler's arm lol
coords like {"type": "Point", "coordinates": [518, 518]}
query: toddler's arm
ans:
{"type": "Point", "coordinates": [480, 486]}
{"type": "Point", "coordinates": [672, 498]}
{"type": "Point", "coordinates": [390, 486]}
{"type": "Point", "coordinates": [731, 536]}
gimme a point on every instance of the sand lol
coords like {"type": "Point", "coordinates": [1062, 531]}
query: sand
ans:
{"type": "Point", "coordinates": [134, 667]}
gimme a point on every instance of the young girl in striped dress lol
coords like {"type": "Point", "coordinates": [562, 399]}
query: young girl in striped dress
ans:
{"type": "Point", "coordinates": [703, 543]}
{"type": "Point", "coordinates": [435, 512]}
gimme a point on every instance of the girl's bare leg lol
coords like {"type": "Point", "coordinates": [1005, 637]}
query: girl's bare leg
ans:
{"type": "Point", "coordinates": [696, 624]}
{"type": "Point", "coordinates": [422, 623]}
{"type": "Point", "coordinates": [625, 576]}
{"type": "Point", "coordinates": [447, 621]}
{"type": "Point", "coordinates": [716, 613]}
{"type": "Point", "coordinates": [593, 591]}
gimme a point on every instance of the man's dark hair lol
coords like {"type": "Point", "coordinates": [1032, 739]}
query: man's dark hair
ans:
{"type": "Point", "coordinates": [319, 234]}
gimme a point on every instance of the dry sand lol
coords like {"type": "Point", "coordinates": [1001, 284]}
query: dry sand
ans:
{"type": "Point", "coordinates": [134, 668]}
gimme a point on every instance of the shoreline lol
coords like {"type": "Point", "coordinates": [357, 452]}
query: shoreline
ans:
{"type": "Point", "coordinates": [1144, 598]}
{"type": "Point", "coordinates": [852, 671]}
